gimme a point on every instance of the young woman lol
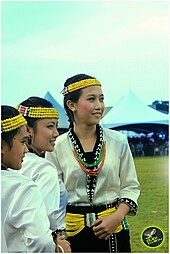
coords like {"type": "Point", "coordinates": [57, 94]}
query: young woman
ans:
{"type": "Point", "coordinates": [42, 121]}
{"type": "Point", "coordinates": [97, 168]}
{"type": "Point", "coordinates": [22, 207]}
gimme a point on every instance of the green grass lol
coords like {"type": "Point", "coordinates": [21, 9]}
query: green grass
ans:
{"type": "Point", "coordinates": [152, 204]}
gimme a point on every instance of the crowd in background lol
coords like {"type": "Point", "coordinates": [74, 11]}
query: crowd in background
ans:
{"type": "Point", "coordinates": [145, 145]}
{"type": "Point", "coordinates": [149, 146]}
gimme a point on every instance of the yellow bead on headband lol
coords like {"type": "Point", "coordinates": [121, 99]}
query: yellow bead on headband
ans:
{"type": "Point", "coordinates": [12, 123]}
{"type": "Point", "coordinates": [36, 112]}
{"type": "Point", "coordinates": [80, 84]}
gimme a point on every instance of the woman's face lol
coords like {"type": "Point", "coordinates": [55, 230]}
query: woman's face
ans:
{"type": "Point", "coordinates": [90, 106]}
{"type": "Point", "coordinates": [13, 158]}
{"type": "Point", "coordinates": [44, 135]}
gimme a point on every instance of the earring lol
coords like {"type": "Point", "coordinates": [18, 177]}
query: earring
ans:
{"type": "Point", "coordinates": [29, 140]}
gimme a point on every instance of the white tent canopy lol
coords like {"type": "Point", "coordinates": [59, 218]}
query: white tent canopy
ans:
{"type": "Point", "coordinates": [63, 119]}
{"type": "Point", "coordinates": [131, 110]}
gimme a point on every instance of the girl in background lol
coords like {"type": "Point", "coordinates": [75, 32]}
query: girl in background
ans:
{"type": "Point", "coordinates": [42, 121]}
{"type": "Point", "coordinates": [97, 168]}
{"type": "Point", "coordinates": [22, 207]}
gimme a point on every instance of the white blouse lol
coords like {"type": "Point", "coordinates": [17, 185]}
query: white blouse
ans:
{"type": "Point", "coordinates": [44, 174]}
{"type": "Point", "coordinates": [117, 178]}
{"type": "Point", "coordinates": [24, 221]}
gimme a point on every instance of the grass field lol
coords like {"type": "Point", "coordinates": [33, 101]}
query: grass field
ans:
{"type": "Point", "coordinates": [153, 202]}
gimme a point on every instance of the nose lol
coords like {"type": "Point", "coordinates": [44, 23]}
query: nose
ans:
{"type": "Point", "coordinates": [99, 104]}
{"type": "Point", "coordinates": [26, 149]}
{"type": "Point", "coordinates": [56, 133]}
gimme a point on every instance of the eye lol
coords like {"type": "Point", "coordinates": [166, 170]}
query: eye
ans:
{"type": "Point", "coordinates": [24, 141]}
{"type": "Point", "coordinates": [50, 126]}
{"type": "Point", "coordinates": [91, 99]}
{"type": "Point", "coordinates": [101, 99]}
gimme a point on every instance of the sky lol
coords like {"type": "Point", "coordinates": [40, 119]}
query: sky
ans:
{"type": "Point", "coordinates": [124, 44]}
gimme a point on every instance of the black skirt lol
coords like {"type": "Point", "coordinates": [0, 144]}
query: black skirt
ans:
{"type": "Point", "coordinates": [86, 241]}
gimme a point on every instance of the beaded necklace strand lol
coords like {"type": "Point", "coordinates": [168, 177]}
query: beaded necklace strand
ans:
{"type": "Point", "coordinates": [100, 152]}
{"type": "Point", "coordinates": [92, 172]}
{"type": "Point", "coordinates": [95, 163]}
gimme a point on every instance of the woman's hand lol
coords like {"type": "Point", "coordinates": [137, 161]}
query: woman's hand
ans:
{"type": "Point", "coordinates": [105, 226]}
{"type": "Point", "coordinates": [60, 240]}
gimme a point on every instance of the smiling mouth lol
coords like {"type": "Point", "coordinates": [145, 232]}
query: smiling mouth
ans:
{"type": "Point", "coordinates": [97, 114]}
{"type": "Point", "coordinates": [52, 141]}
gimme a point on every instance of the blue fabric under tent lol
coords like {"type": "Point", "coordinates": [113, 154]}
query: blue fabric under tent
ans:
{"type": "Point", "coordinates": [63, 119]}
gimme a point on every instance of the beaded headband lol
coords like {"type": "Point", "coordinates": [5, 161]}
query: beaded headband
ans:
{"type": "Point", "coordinates": [35, 112]}
{"type": "Point", "coordinates": [79, 85]}
{"type": "Point", "coordinates": [12, 123]}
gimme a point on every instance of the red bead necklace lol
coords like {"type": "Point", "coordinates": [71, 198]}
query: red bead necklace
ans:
{"type": "Point", "coordinates": [90, 171]}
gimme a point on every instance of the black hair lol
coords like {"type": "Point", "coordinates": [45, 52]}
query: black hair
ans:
{"type": "Point", "coordinates": [75, 95]}
{"type": "Point", "coordinates": [35, 102]}
{"type": "Point", "coordinates": [9, 112]}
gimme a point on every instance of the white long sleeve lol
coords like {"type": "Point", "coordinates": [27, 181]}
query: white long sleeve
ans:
{"type": "Point", "coordinates": [24, 222]}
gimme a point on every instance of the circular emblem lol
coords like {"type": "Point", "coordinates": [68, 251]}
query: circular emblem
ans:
{"type": "Point", "coordinates": [152, 236]}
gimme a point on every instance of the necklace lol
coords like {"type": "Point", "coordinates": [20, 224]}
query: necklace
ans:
{"type": "Point", "coordinates": [99, 162]}
{"type": "Point", "coordinates": [87, 165]}
{"type": "Point", "coordinates": [91, 162]}
{"type": "Point", "coordinates": [99, 152]}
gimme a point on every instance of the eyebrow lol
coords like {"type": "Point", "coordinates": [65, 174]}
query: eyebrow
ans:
{"type": "Point", "coordinates": [25, 137]}
{"type": "Point", "coordinates": [101, 95]}
{"type": "Point", "coordinates": [52, 122]}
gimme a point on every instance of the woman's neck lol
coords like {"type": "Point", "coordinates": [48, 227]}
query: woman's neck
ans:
{"type": "Point", "coordinates": [31, 147]}
{"type": "Point", "coordinates": [87, 137]}
{"type": "Point", "coordinates": [85, 132]}
{"type": "Point", "coordinates": [3, 167]}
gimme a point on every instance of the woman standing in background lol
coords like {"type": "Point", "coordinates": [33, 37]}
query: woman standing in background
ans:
{"type": "Point", "coordinates": [42, 121]}
{"type": "Point", "coordinates": [22, 207]}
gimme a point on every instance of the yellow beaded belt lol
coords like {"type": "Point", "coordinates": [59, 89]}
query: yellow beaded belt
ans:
{"type": "Point", "coordinates": [76, 222]}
